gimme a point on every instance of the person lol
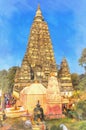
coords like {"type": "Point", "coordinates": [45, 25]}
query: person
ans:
{"type": "Point", "coordinates": [7, 103]}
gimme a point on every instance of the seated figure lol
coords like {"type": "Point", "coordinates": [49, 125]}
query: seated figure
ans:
{"type": "Point", "coordinates": [38, 112]}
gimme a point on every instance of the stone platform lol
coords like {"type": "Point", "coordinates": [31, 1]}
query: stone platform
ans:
{"type": "Point", "coordinates": [11, 112]}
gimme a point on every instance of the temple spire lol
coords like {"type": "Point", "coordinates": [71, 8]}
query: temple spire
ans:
{"type": "Point", "coordinates": [65, 76]}
{"type": "Point", "coordinates": [38, 16]}
{"type": "Point", "coordinates": [39, 61]}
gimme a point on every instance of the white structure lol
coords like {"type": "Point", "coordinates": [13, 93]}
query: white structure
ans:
{"type": "Point", "coordinates": [63, 126]}
{"type": "Point", "coordinates": [30, 95]}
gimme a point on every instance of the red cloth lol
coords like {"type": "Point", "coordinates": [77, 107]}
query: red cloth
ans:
{"type": "Point", "coordinates": [8, 105]}
{"type": "Point", "coordinates": [54, 110]}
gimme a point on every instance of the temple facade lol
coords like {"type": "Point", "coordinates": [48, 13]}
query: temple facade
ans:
{"type": "Point", "coordinates": [39, 61]}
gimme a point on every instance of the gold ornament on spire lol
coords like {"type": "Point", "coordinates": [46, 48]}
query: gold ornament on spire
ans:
{"type": "Point", "coordinates": [38, 16]}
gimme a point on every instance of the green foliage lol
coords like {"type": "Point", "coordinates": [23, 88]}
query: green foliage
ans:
{"type": "Point", "coordinates": [79, 82]}
{"type": "Point", "coordinates": [59, 128]}
{"type": "Point", "coordinates": [11, 76]}
{"type": "Point", "coordinates": [4, 80]}
{"type": "Point", "coordinates": [81, 109]}
{"type": "Point", "coordinates": [54, 127]}
{"type": "Point", "coordinates": [83, 126]}
{"type": "Point", "coordinates": [82, 84]}
{"type": "Point", "coordinates": [75, 80]}
{"type": "Point", "coordinates": [7, 79]}
{"type": "Point", "coordinates": [71, 113]}
{"type": "Point", "coordinates": [82, 60]}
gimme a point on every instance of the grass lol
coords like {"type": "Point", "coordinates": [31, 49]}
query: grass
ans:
{"type": "Point", "coordinates": [72, 124]}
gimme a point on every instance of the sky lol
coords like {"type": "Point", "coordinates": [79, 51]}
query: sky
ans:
{"type": "Point", "coordinates": [66, 21]}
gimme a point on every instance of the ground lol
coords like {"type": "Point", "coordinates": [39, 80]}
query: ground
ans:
{"type": "Point", "coordinates": [18, 124]}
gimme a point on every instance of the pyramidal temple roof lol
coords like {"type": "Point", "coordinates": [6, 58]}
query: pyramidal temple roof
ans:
{"type": "Point", "coordinates": [38, 16]}
{"type": "Point", "coordinates": [39, 61]}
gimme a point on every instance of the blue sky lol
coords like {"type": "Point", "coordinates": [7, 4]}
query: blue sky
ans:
{"type": "Point", "coordinates": [67, 25]}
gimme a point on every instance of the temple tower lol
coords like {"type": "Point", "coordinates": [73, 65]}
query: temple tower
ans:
{"type": "Point", "coordinates": [39, 59]}
{"type": "Point", "coordinates": [65, 78]}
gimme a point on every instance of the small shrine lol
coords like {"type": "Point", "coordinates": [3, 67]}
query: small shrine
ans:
{"type": "Point", "coordinates": [49, 98]}
{"type": "Point", "coordinates": [30, 95]}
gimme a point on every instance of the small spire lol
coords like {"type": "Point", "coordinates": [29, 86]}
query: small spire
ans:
{"type": "Point", "coordinates": [38, 6]}
{"type": "Point", "coordinates": [64, 59]}
{"type": "Point", "coordinates": [38, 16]}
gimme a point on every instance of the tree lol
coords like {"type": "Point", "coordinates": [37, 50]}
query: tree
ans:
{"type": "Point", "coordinates": [11, 76]}
{"type": "Point", "coordinates": [4, 80]}
{"type": "Point", "coordinates": [82, 60]}
{"type": "Point", "coordinates": [81, 109]}
{"type": "Point", "coordinates": [7, 79]}
{"type": "Point", "coordinates": [75, 80]}
{"type": "Point", "coordinates": [82, 84]}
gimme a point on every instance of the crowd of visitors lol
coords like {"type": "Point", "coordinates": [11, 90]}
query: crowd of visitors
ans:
{"type": "Point", "coordinates": [7, 101]}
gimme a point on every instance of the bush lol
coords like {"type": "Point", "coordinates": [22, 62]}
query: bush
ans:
{"type": "Point", "coordinates": [83, 126]}
{"type": "Point", "coordinates": [54, 127]}
{"type": "Point", "coordinates": [81, 109]}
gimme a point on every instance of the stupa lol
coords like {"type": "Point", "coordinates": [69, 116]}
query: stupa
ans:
{"type": "Point", "coordinates": [65, 78]}
{"type": "Point", "coordinates": [39, 60]}
{"type": "Point", "coordinates": [54, 101]}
